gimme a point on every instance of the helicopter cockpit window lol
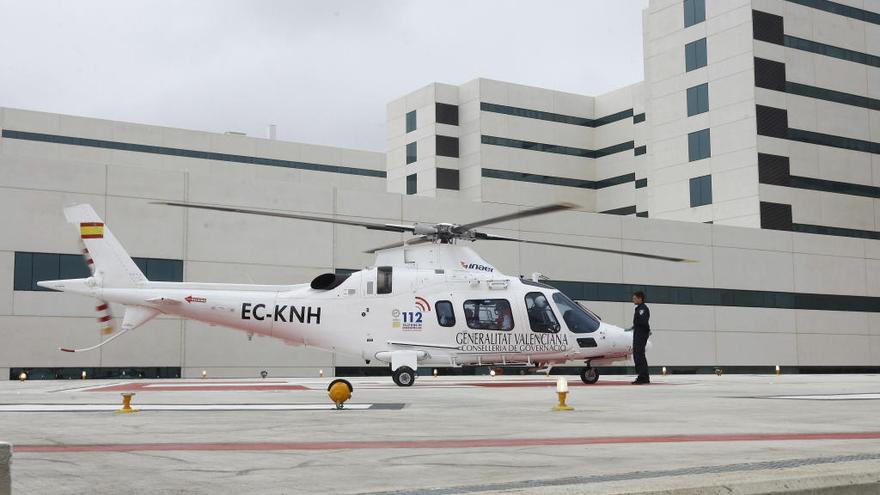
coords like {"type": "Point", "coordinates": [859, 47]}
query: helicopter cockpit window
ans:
{"type": "Point", "coordinates": [445, 314]}
{"type": "Point", "coordinates": [575, 317]}
{"type": "Point", "coordinates": [383, 280]}
{"type": "Point", "coordinates": [541, 317]}
{"type": "Point", "coordinates": [488, 314]}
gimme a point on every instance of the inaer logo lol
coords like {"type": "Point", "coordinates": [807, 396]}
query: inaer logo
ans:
{"type": "Point", "coordinates": [475, 266]}
{"type": "Point", "coordinates": [284, 313]}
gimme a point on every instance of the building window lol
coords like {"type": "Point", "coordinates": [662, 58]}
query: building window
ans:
{"type": "Point", "coordinates": [446, 114]}
{"type": "Point", "coordinates": [447, 146]}
{"type": "Point", "coordinates": [411, 184]}
{"type": "Point", "coordinates": [695, 55]}
{"type": "Point", "coordinates": [488, 314]}
{"type": "Point", "coordinates": [639, 117]}
{"type": "Point", "coordinates": [701, 191]}
{"type": "Point", "coordinates": [447, 178]}
{"type": "Point", "coordinates": [694, 12]}
{"type": "Point", "coordinates": [698, 99]}
{"type": "Point", "coordinates": [698, 145]}
{"type": "Point", "coordinates": [776, 216]}
{"type": "Point", "coordinates": [768, 27]}
{"type": "Point", "coordinates": [411, 155]}
{"type": "Point", "coordinates": [640, 150]}
{"type": "Point", "coordinates": [411, 121]}
{"type": "Point", "coordinates": [31, 268]}
{"type": "Point", "coordinates": [769, 74]}
{"type": "Point", "coordinates": [445, 313]}
{"type": "Point", "coordinates": [771, 121]}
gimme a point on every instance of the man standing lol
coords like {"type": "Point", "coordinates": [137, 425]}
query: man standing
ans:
{"type": "Point", "coordinates": [641, 331]}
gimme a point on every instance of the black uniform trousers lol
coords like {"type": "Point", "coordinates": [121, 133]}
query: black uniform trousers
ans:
{"type": "Point", "coordinates": [640, 340]}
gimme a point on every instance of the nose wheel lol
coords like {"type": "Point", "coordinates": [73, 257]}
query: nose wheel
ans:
{"type": "Point", "coordinates": [590, 375]}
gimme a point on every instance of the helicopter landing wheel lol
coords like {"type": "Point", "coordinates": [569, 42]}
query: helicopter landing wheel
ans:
{"type": "Point", "coordinates": [590, 375]}
{"type": "Point", "coordinates": [404, 376]}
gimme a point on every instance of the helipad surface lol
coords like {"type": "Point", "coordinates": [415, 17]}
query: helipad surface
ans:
{"type": "Point", "coordinates": [444, 435]}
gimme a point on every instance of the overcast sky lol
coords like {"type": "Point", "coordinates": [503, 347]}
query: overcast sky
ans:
{"type": "Point", "coordinates": [322, 71]}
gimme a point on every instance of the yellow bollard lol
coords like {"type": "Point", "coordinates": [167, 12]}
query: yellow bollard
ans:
{"type": "Point", "coordinates": [562, 392]}
{"type": "Point", "coordinates": [339, 391]}
{"type": "Point", "coordinates": [778, 370]}
{"type": "Point", "coordinates": [126, 403]}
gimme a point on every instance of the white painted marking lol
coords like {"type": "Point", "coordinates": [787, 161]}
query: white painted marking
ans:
{"type": "Point", "coordinates": [174, 407]}
{"type": "Point", "coordinates": [830, 397]}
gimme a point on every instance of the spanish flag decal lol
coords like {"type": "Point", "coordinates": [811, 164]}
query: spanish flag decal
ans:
{"type": "Point", "coordinates": [91, 230]}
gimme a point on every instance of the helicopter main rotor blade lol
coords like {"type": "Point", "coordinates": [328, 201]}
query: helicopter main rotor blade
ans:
{"type": "Point", "coordinates": [541, 210]}
{"type": "Point", "coordinates": [490, 237]}
{"type": "Point", "coordinates": [369, 225]}
{"type": "Point", "coordinates": [415, 240]}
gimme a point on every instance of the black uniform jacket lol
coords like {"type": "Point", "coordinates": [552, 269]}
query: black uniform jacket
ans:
{"type": "Point", "coordinates": [640, 318]}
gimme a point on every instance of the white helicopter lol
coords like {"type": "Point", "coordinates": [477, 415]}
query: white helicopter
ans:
{"type": "Point", "coordinates": [427, 301]}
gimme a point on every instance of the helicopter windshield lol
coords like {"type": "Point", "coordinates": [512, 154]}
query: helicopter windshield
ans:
{"type": "Point", "coordinates": [574, 315]}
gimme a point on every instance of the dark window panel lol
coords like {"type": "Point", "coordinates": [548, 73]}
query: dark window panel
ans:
{"type": "Point", "coordinates": [841, 9]}
{"type": "Point", "coordinates": [553, 148]}
{"type": "Point", "coordinates": [695, 55]}
{"type": "Point", "coordinates": [831, 95]}
{"type": "Point", "coordinates": [626, 210]}
{"type": "Point", "coordinates": [699, 145]}
{"type": "Point", "coordinates": [772, 122]}
{"type": "Point", "coordinates": [769, 74]}
{"type": "Point", "coordinates": [640, 150]}
{"type": "Point", "coordinates": [642, 214]}
{"type": "Point", "coordinates": [73, 266]}
{"type": "Point", "coordinates": [638, 118]}
{"type": "Point", "coordinates": [411, 186]}
{"type": "Point", "coordinates": [767, 27]}
{"type": "Point", "coordinates": [446, 114]}
{"type": "Point", "coordinates": [411, 153]}
{"type": "Point", "coordinates": [698, 99]}
{"type": "Point", "coordinates": [447, 146]}
{"type": "Point", "coordinates": [640, 183]}
{"type": "Point", "coordinates": [775, 216]}
{"type": "Point", "coordinates": [447, 178]}
{"type": "Point", "coordinates": [833, 141]}
{"type": "Point", "coordinates": [555, 117]}
{"type": "Point", "coordinates": [836, 231]}
{"type": "Point", "coordinates": [411, 121]}
{"type": "Point", "coordinates": [557, 181]}
{"type": "Point", "coordinates": [46, 267]}
{"type": "Point", "coordinates": [834, 186]}
{"type": "Point", "coordinates": [773, 169]}
{"type": "Point", "coordinates": [694, 12]}
{"type": "Point", "coordinates": [24, 271]}
{"type": "Point", "coordinates": [701, 190]}
{"type": "Point", "coordinates": [832, 51]}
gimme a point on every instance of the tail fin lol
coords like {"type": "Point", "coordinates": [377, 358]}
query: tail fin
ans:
{"type": "Point", "coordinates": [112, 265]}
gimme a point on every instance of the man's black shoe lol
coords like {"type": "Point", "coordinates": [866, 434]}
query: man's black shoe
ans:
{"type": "Point", "coordinates": [641, 381]}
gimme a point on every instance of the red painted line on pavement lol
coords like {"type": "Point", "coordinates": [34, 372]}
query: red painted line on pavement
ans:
{"type": "Point", "coordinates": [445, 444]}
